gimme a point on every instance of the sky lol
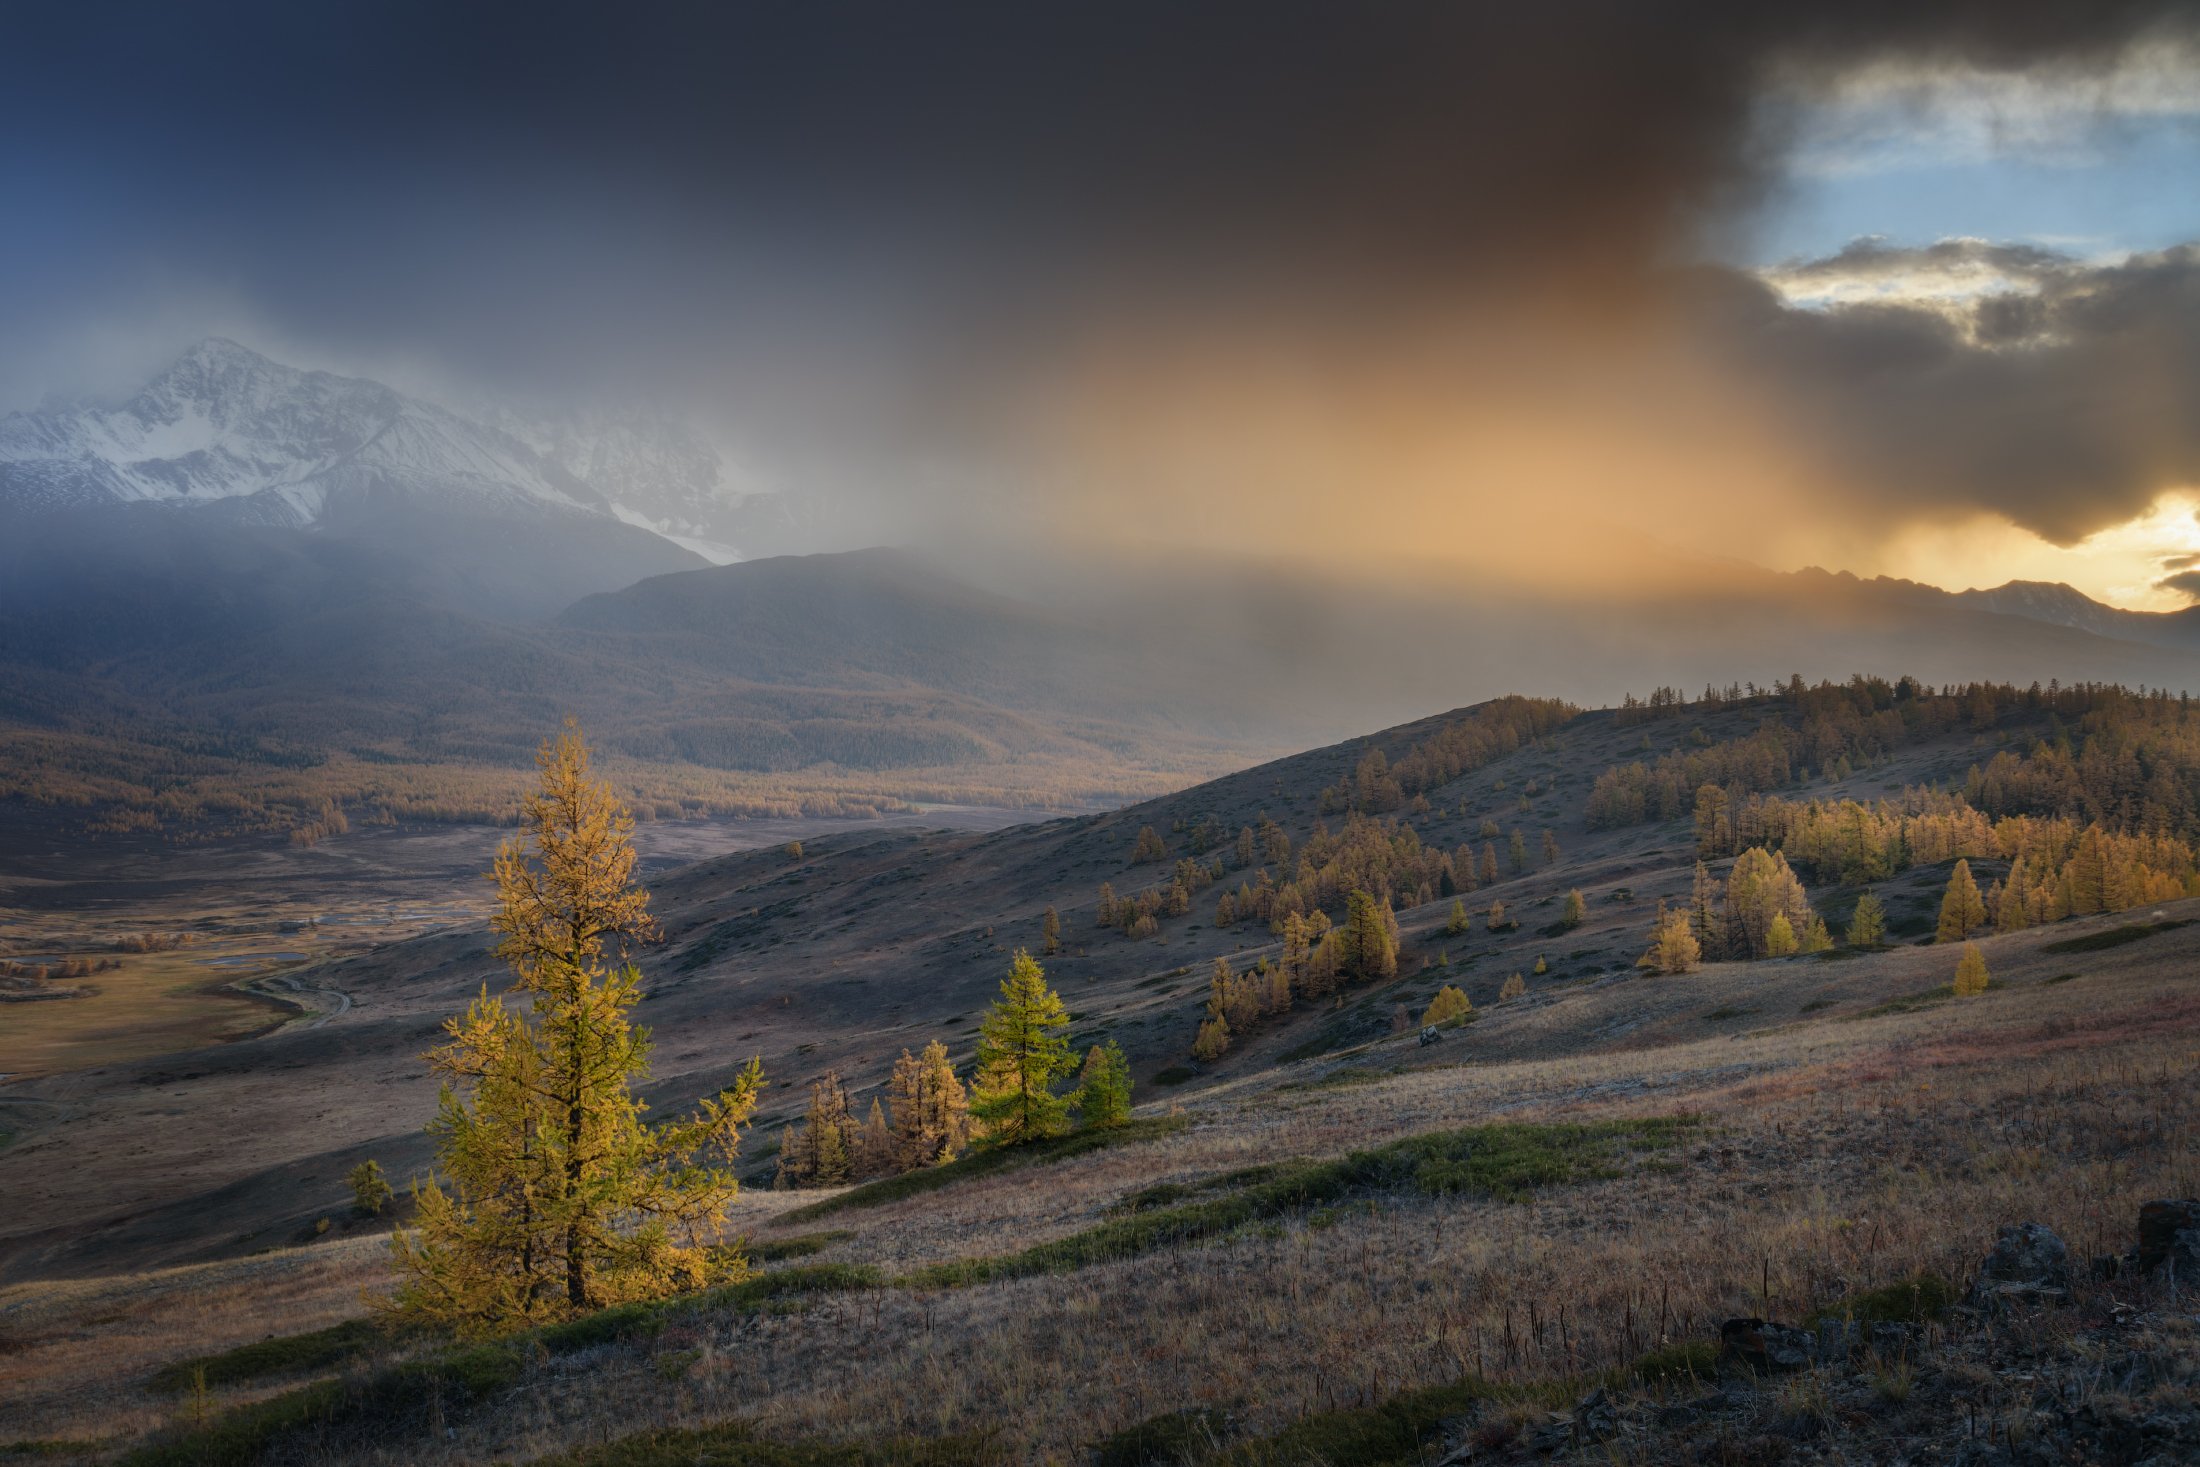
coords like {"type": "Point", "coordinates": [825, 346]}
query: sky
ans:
{"type": "Point", "coordinates": [1584, 293]}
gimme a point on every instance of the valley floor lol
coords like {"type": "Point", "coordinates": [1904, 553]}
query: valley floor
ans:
{"type": "Point", "coordinates": [1847, 1129]}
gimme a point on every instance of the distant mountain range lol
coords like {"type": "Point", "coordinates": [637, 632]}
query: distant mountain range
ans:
{"type": "Point", "coordinates": [602, 499]}
{"type": "Point", "coordinates": [247, 550]}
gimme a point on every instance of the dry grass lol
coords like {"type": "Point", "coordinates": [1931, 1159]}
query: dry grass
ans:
{"type": "Point", "coordinates": [1837, 1155]}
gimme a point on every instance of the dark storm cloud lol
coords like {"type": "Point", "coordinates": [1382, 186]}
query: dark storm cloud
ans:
{"type": "Point", "coordinates": [900, 216]}
{"type": "Point", "coordinates": [2065, 409]}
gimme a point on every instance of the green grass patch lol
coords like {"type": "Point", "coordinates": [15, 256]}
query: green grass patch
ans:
{"type": "Point", "coordinates": [1919, 1299]}
{"type": "Point", "coordinates": [737, 1444]}
{"type": "Point", "coordinates": [2094, 942]}
{"type": "Point", "coordinates": [1508, 1162]}
{"type": "Point", "coordinates": [301, 1354]}
{"type": "Point", "coordinates": [1178, 1438]}
{"type": "Point", "coordinates": [801, 1245]}
{"type": "Point", "coordinates": [985, 1164]}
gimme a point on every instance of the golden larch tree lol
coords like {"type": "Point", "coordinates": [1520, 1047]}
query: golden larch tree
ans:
{"type": "Point", "coordinates": [552, 1195]}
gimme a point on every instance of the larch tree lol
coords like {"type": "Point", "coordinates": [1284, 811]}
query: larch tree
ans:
{"type": "Point", "coordinates": [1458, 924]}
{"type": "Point", "coordinates": [1513, 987]}
{"type": "Point", "coordinates": [1450, 1007]}
{"type": "Point", "coordinates": [1050, 932]}
{"type": "Point", "coordinates": [1574, 913]}
{"type": "Point", "coordinates": [551, 1195]}
{"type": "Point", "coordinates": [931, 1110]}
{"type": "Point", "coordinates": [1962, 909]}
{"type": "Point", "coordinates": [1104, 1088]}
{"type": "Point", "coordinates": [1970, 980]}
{"type": "Point", "coordinates": [1868, 923]}
{"type": "Point", "coordinates": [822, 1151]}
{"type": "Point", "coordinates": [1780, 938]}
{"type": "Point", "coordinates": [1371, 948]}
{"type": "Point", "coordinates": [1673, 945]}
{"type": "Point", "coordinates": [1022, 1051]}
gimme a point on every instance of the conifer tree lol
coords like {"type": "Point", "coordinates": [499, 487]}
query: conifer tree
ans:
{"type": "Point", "coordinates": [1370, 949]}
{"type": "Point", "coordinates": [1541, 967]}
{"type": "Point", "coordinates": [822, 1152]}
{"type": "Point", "coordinates": [1815, 938]}
{"type": "Point", "coordinates": [931, 1111]}
{"type": "Point", "coordinates": [1104, 1089]}
{"type": "Point", "coordinates": [1574, 912]}
{"type": "Point", "coordinates": [1514, 987]}
{"type": "Point", "coordinates": [1212, 1041]}
{"type": "Point", "coordinates": [1497, 916]}
{"type": "Point", "coordinates": [1489, 864]}
{"type": "Point", "coordinates": [1868, 924]}
{"type": "Point", "coordinates": [1459, 923]}
{"type": "Point", "coordinates": [560, 1198]}
{"type": "Point", "coordinates": [1780, 939]}
{"type": "Point", "coordinates": [1105, 913]}
{"type": "Point", "coordinates": [1970, 980]}
{"type": "Point", "coordinates": [1148, 847]}
{"type": "Point", "coordinates": [370, 1190]}
{"type": "Point", "coordinates": [1050, 932]}
{"type": "Point", "coordinates": [1673, 945]}
{"type": "Point", "coordinates": [1517, 851]}
{"type": "Point", "coordinates": [875, 1152]}
{"type": "Point", "coordinates": [1022, 1051]}
{"type": "Point", "coordinates": [1550, 848]}
{"type": "Point", "coordinates": [1450, 1007]}
{"type": "Point", "coordinates": [1962, 909]}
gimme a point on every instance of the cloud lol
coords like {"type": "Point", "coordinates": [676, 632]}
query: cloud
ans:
{"type": "Point", "coordinates": [2066, 407]}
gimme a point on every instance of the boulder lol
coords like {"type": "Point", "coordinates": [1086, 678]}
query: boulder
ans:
{"type": "Point", "coordinates": [2029, 1263]}
{"type": "Point", "coordinates": [2169, 1236]}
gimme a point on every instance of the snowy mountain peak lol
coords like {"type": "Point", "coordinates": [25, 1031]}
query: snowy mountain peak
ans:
{"type": "Point", "coordinates": [224, 425]}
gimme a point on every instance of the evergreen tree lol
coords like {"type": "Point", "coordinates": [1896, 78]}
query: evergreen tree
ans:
{"type": "Point", "coordinates": [1370, 948]}
{"type": "Point", "coordinates": [1673, 945]}
{"type": "Point", "coordinates": [1022, 1051]}
{"type": "Point", "coordinates": [1449, 1008]}
{"type": "Point", "coordinates": [1050, 932]}
{"type": "Point", "coordinates": [370, 1190]}
{"type": "Point", "coordinates": [1574, 913]}
{"type": "Point", "coordinates": [822, 1152]}
{"type": "Point", "coordinates": [1868, 924]}
{"type": "Point", "coordinates": [1962, 909]}
{"type": "Point", "coordinates": [1780, 939]}
{"type": "Point", "coordinates": [560, 1198]}
{"type": "Point", "coordinates": [931, 1111]}
{"type": "Point", "coordinates": [875, 1152]}
{"type": "Point", "coordinates": [1971, 977]}
{"type": "Point", "coordinates": [1104, 1089]}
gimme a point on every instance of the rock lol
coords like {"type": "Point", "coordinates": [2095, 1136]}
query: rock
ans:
{"type": "Point", "coordinates": [2029, 1263]}
{"type": "Point", "coordinates": [1595, 1416]}
{"type": "Point", "coordinates": [1764, 1346]}
{"type": "Point", "coordinates": [1430, 1034]}
{"type": "Point", "coordinates": [2169, 1234]}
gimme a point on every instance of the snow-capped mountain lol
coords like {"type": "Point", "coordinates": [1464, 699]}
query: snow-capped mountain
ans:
{"type": "Point", "coordinates": [271, 444]}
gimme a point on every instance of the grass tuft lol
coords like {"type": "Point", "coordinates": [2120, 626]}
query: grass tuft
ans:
{"type": "Point", "coordinates": [301, 1354]}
